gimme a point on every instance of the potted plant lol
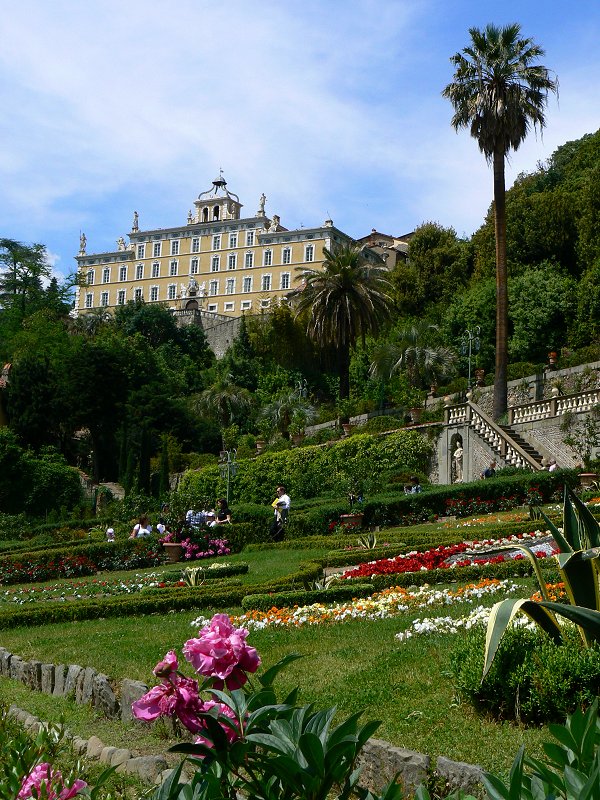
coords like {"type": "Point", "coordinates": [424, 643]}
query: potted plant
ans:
{"type": "Point", "coordinates": [265, 432]}
{"type": "Point", "coordinates": [345, 408]}
{"type": "Point", "coordinates": [297, 425]}
{"type": "Point", "coordinates": [583, 437]}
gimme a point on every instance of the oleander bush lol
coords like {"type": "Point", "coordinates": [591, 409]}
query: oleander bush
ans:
{"type": "Point", "coordinates": [532, 679]}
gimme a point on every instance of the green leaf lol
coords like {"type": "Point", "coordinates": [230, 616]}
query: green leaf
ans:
{"type": "Point", "coordinates": [501, 616]}
{"type": "Point", "coordinates": [580, 576]}
{"type": "Point", "coordinates": [312, 749]}
{"type": "Point", "coordinates": [267, 678]}
{"type": "Point", "coordinates": [586, 618]}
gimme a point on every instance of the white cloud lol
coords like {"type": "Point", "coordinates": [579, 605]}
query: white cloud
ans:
{"type": "Point", "coordinates": [329, 108]}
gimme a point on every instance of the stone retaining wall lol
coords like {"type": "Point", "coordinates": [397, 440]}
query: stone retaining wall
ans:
{"type": "Point", "coordinates": [380, 761]}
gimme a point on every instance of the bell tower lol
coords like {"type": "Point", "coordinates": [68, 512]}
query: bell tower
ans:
{"type": "Point", "coordinates": [216, 204]}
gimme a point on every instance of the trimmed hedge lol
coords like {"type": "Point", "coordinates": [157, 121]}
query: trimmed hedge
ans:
{"type": "Point", "coordinates": [264, 602]}
{"type": "Point", "coordinates": [151, 601]}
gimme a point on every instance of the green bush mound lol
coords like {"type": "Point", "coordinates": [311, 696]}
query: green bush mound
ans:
{"type": "Point", "coordinates": [334, 594]}
{"type": "Point", "coordinates": [310, 471]}
{"type": "Point", "coordinates": [532, 680]}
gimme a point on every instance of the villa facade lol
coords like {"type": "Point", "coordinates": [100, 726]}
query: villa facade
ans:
{"type": "Point", "coordinates": [218, 261]}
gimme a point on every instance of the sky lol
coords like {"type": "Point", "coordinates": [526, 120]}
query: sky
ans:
{"type": "Point", "coordinates": [332, 108]}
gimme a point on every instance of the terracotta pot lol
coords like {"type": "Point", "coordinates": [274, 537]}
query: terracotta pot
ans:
{"type": "Point", "coordinates": [173, 550]}
{"type": "Point", "coordinates": [480, 377]}
{"type": "Point", "coordinates": [352, 521]}
{"type": "Point", "coordinates": [347, 427]}
{"type": "Point", "coordinates": [415, 414]}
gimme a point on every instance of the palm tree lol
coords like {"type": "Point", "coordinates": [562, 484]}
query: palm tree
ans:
{"type": "Point", "coordinates": [413, 353]}
{"type": "Point", "coordinates": [346, 299]}
{"type": "Point", "coordinates": [224, 401]}
{"type": "Point", "coordinates": [499, 93]}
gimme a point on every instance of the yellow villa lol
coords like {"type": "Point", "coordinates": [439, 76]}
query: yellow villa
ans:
{"type": "Point", "coordinates": [218, 262]}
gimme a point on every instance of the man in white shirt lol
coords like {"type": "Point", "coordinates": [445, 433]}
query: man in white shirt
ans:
{"type": "Point", "coordinates": [281, 504]}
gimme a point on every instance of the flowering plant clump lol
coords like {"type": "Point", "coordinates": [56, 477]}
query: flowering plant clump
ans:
{"type": "Point", "coordinates": [80, 590]}
{"type": "Point", "coordinates": [45, 782]}
{"type": "Point", "coordinates": [249, 744]}
{"type": "Point", "coordinates": [443, 557]}
{"type": "Point", "coordinates": [220, 653]}
{"type": "Point", "coordinates": [208, 548]}
{"type": "Point", "coordinates": [462, 506]}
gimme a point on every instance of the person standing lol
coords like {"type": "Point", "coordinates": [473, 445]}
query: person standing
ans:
{"type": "Point", "coordinates": [281, 506]}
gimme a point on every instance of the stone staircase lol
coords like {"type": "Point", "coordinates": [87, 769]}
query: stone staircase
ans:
{"type": "Point", "coordinates": [516, 438]}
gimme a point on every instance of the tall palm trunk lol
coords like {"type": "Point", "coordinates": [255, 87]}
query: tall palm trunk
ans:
{"type": "Point", "coordinates": [344, 370]}
{"type": "Point", "coordinates": [500, 379]}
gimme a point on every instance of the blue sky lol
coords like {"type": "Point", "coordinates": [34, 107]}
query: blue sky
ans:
{"type": "Point", "coordinates": [332, 108]}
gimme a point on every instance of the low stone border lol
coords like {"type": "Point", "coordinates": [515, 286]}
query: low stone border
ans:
{"type": "Point", "coordinates": [380, 761]}
{"type": "Point", "coordinates": [150, 769]}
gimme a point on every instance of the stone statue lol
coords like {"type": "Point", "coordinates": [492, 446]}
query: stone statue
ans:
{"type": "Point", "coordinates": [121, 243]}
{"type": "Point", "coordinates": [192, 287]}
{"type": "Point", "coordinates": [458, 464]}
{"type": "Point", "coordinates": [182, 290]}
{"type": "Point", "coordinates": [261, 205]}
{"type": "Point", "coordinates": [190, 218]}
{"type": "Point", "coordinates": [202, 289]}
{"type": "Point", "coordinates": [135, 224]}
{"type": "Point", "coordinates": [275, 223]}
{"type": "Point", "coordinates": [82, 244]}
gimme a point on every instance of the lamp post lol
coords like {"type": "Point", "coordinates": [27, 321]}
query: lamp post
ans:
{"type": "Point", "coordinates": [228, 467]}
{"type": "Point", "coordinates": [470, 344]}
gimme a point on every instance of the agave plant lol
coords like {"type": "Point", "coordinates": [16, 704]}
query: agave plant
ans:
{"type": "Point", "coordinates": [193, 576]}
{"type": "Point", "coordinates": [578, 562]}
{"type": "Point", "coordinates": [368, 541]}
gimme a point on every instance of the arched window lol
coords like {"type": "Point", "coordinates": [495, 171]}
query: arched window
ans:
{"type": "Point", "coordinates": [216, 212]}
{"type": "Point", "coordinates": [205, 215]}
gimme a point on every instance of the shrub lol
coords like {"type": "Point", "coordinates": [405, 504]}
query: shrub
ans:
{"type": "Point", "coordinates": [309, 471]}
{"type": "Point", "coordinates": [531, 680]}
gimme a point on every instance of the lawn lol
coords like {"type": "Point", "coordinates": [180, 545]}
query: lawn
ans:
{"type": "Point", "coordinates": [355, 665]}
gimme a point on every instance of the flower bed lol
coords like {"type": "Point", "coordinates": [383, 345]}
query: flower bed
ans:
{"type": "Point", "coordinates": [34, 570]}
{"type": "Point", "coordinates": [388, 603]}
{"type": "Point", "coordinates": [443, 557]}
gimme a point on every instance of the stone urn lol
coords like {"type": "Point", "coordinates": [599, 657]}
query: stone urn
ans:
{"type": "Point", "coordinates": [174, 551]}
{"type": "Point", "coordinates": [586, 479]}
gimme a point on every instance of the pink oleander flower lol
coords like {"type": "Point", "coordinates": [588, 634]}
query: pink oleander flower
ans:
{"type": "Point", "coordinates": [174, 697]}
{"type": "Point", "coordinates": [231, 733]}
{"type": "Point", "coordinates": [52, 781]}
{"type": "Point", "coordinates": [166, 667]}
{"type": "Point", "coordinates": [221, 652]}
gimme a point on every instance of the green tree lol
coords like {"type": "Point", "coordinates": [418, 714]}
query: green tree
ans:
{"type": "Point", "coordinates": [541, 311]}
{"type": "Point", "coordinates": [499, 92]}
{"type": "Point", "coordinates": [438, 266]}
{"type": "Point", "coordinates": [225, 402]}
{"type": "Point", "coordinates": [345, 300]}
{"type": "Point", "coordinates": [22, 268]}
{"type": "Point", "coordinates": [414, 351]}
